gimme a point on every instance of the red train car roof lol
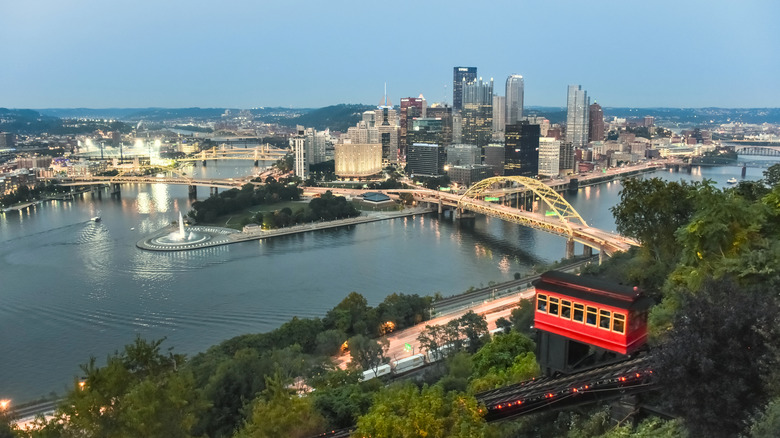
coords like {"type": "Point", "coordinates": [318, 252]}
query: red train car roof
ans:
{"type": "Point", "coordinates": [595, 290]}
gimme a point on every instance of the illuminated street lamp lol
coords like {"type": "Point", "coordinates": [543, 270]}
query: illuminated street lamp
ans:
{"type": "Point", "coordinates": [4, 404]}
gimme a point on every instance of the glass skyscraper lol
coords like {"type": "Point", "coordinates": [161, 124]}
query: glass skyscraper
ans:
{"type": "Point", "coordinates": [461, 76]}
{"type": "Point", "coordinates": [514, 99]}
{"type": "Point", "coordinates": [577, 116]}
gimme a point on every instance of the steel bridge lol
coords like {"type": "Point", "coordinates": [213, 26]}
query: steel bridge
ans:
{"type": "Point", "coordinates": [537, 206]}
{"type": "Point", "coordinates": [765, 151]}
{"type": "Point", "coordinates": [260, 153]}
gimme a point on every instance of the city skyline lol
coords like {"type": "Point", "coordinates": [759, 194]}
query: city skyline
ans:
{"type": "Point", "coordinates": [297, 54]}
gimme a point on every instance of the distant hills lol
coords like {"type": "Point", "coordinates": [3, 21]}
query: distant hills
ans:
{"type": "Point", "coordinates": [336, 117]}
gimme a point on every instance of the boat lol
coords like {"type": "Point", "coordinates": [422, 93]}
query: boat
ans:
{"type": "Point", "coordinates": [731, 180]}
{"type": "Point", "coordinates": [95, 219]}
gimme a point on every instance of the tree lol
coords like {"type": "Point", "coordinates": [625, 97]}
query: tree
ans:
{"type": "Point", "coordinates": [475, 328]}
{"type": "Point", "coordinates": [368, 353]}
{"type": "Point", "coordinates": [500, 353]}
{"type": "Point", "coordinates": [279, 413]}
{"type": "Point", "coordinates": [772, 175]}
{"type": "Point", "coordinates": [719, 351]}
{"type": "Point", "coordinates": [140, 392]}
{"type": "Point", "coordinates": [522, 317]}
{"type": "Point", "coordinates": [405, 411]}
{"type": "Point", "coordinates": [767, 424]}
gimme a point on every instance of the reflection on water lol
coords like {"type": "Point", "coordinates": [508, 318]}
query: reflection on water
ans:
{"type": "Point", "coordinates": [72, 288]}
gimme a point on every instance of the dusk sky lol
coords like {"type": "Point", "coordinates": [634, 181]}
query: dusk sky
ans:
{"type": "Point", "coordinates": [250, 53]}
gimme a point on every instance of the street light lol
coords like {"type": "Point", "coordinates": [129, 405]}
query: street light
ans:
{"type": "Point", "coordinates": [4, 404]}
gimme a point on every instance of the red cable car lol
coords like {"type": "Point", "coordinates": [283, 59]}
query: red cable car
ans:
{"type": "Point", "coordinates": [590, 311]}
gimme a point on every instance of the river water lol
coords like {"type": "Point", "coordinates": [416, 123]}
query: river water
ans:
{"type": "Point", "coordinates": [71, 288]}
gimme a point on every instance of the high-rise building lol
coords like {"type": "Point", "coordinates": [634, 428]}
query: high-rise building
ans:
{"type": "Point", "coordinates": [6, 140]}
{"type": "Point", "coordinates": [411, 107]}
{"type": "Point", "coordinates": [521, 148]}
{"type": "Point", "coordinates": [494, 157]}
{"type": "Point", "coordinates": [514, 99]}
{"type": "Point", "coordinates": [577, 116]}
{"type": "Point", "coordinates": [499, 115]}
{"type": "Point", "coordinates": [549, 157]}
{"type": "Point", "coordinates": [425, 130]}
{"type": "Point", "coordinates": [425, 159]}
{"type": "Point", "coordinates": [463, 154]}
{"type": "Point", "coordinates": [298, 144]}
{"type": "Point", "coordinates": [444, 113]}
{"type": "Point", "coordinates": [477, 125]}
{"type": "Point", "coordinates": [566, 160]}
{"type": "Point", "coordinates": [461, 76]}
{"type": "Point", "coordinates": [595, 123]}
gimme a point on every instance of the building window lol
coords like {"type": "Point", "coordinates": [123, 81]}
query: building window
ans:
{"type": "Point", "coordinates": [619, 323]}
{"type": "Point", "coordinates": [591, 318]}
{"type": "Point", "coordinates": [565, 309]}
{"type": "Point", "coordinates": [579, 312]}
{"type": "Point", "coordinates": [553, 306]}
{"type": "Point", "coordinates": [604, 319]}
{"type": "Point", "coordinates": [541, 303]}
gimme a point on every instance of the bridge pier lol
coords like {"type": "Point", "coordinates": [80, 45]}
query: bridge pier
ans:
{"type": "Point", "coordinates": [192, 191]}
{"type": "Point", "coordinates": [461, 214]}
{"type": "Point", "coordinates": [570, 248]}
{"type": "Point", "coordinates": [213, 191]}
{"type": "Point", "coordinates": [115, 190]}
{"type": "Point", "coordinates": [587, 251]}
{"type": "Point", "coordinates": [257, 163]}
{"type": "Point", "coordinates": [204, 163]}
{"type": "Point", "coordinates": [441, 210]}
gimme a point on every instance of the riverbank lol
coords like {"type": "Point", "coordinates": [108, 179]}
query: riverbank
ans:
{"type": "Point", "coordinates": [224, 236]}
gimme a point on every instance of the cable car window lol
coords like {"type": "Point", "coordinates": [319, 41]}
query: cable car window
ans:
{"type": "Point", "coordinates": [565, 309]}
{"type": "Point", "coordinates": [604, 319]}
{"type": "Point", "coordinates": [553, 306]}
{"type": "Point", "coordinates": [541, 303]}
{"type": "Point", "coordinates": [579, 312]}
{"type": "Point", "coordinates": [591, 317]}
{"type": "Point", "coordinates": [619, 323]}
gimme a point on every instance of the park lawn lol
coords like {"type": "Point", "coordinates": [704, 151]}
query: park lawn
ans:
{"type": "Point", "coordinates": [233, 220]}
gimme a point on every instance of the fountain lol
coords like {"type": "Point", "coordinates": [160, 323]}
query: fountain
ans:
{"type": "Point", "coordinates": [181, 236]}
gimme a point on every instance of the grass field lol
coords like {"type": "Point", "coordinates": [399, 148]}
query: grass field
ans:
{"type": "Point", "coordinates": [234, 220]}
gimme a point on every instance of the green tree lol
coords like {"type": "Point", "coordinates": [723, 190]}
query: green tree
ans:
{"type": "Point", "coordinates": [772, 175]}
{"type": "Point", "coordinates": [651, 211]}
{"type": "Point", "coordinates": [139, 392]}
{"type": "Point", "coordinates": [279, 413]}
{"type": "Point", "coordinates": [767, 424]}
{"type": "Point", "coordinates": [475, 328]}
{"type": "Point", "coordinates": [522, 317]}
{"type": "Point", "coordinates": [407, 412]}
{"type": "Point", "coordinates": [500, 352]}
{"type": "Point", "coordinates": [368, 353]}
{"type": "Point", "coordinates": [719, 352]}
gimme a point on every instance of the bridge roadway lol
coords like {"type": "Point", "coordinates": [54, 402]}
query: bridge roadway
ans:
{"type": "Point", "coordinates": [592, 237]}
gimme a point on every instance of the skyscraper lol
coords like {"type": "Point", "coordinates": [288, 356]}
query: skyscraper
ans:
{"type": "Point", "coordinates": [521, 149]}
{"type": "Point", "coordinates": [595, 123]}
{"type": "Point", "coordinates": [477, 124]}
{"type": "Point", "coordinates": [411, 107]}
{"type": "Point", "coordinates": [577, 116]}
{"type": "Point", "coordinates": [499, 114]}
{"type": "Point", "coordinates": [461, 76]}
{"type": "Point", "coordinates": [514, 99]}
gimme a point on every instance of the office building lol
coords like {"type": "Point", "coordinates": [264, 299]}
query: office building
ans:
{"type": "Point", "coordinates": [566, 160]}
{"type": "Point", "coordinates": [386, 121]}
{"type": "Point", "coordinates": [549, 157]}
{"type": "Point", "coordinates": [577, 116]}
{"type": "Point", "coordinates": [424, 159]}
{"type": "Point", "coordinates": [595, 123]}
{"type": "Point", "coordinates": [426, 130]}
{"type": "Point", "coordinates": [514, 99]}
{"type": "Point", "coordinates": [411, 107]}
{"type": "Point", "coordinates": [494, 157]}
{"type": "Point", "coordinates": [463, 154]}
{"type": "Point", "coordinates": [499, 116]}
{"type": "Point", "coordinates": [468, 175]}
{"type": "Point", "coordinates": [477, 124]}
{"type": "Point", "coordinates": [444, 113]}
{"type": "Point", "coordinates": [461, 76]}
{"type": "Point", "coordinates": [358, 160]}
{"type": "Point", "coordinates": [521, 148]}
{"type": "Point", "coordinates": [6, 140]}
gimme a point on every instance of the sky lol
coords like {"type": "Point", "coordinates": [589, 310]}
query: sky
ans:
{"type": "Point", "coordinates": [314, 53]}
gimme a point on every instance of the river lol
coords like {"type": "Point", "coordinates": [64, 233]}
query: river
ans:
{"type": "Point", "coordinates": [71, 288]}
